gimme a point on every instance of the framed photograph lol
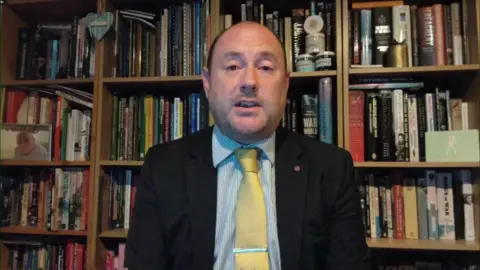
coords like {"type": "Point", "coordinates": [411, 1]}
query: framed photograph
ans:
{"type": "Point", "coordinates": [25, 142]}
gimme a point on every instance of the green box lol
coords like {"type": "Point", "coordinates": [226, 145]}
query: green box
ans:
{"type": "Point", "coordinates": [452, 146]}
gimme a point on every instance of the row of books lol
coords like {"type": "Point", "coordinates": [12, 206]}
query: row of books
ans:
{"type": "Point", "coordinates": [46, 256]}
{"type": "Point", "coordinates": [55, 51]}
{"type": "Point", "coordinates": [435, 34]}
{"type": "Point", "coordinates": [118, 188]}
{"type": "Point", "coordinates": [388, 121]}
{"type": "Point", "coordinates": [55, 199]}
{"type": "Point", "coordinates": [115, 258]}
{"type": "Point", "coordinates": [290, 26]}
{"type": "Point", "coordinates": [144, 120]}
{"type": "Point", "coordinates": [431, 204]}
{"type": "Point", "coordinates": [172, 42]}
{"type": "Point", "coordinates": [57, 118]}
{"type": "Point", "coordinates": [141, 121]}
{"type": "Point", "coordinates": [311, 113]}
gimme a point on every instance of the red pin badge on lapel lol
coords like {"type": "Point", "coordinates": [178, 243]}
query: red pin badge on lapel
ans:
{"type": "Point", "coordinates": [296, 168]}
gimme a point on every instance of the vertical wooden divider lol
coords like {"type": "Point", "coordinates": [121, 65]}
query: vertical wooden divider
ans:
{"type": "Point", "coordinates": [344, 74]}
{"type": "Point", "coordinates": [92, 247]}
{"type": "Point", "coordinates": [339, 49]}
{"type": "Point", "coordinates": [476, 98]}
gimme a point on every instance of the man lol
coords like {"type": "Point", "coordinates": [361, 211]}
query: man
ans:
{"type": "Point", "coordinates": [29, 148]}
{"type": "Point", "coordinates": [199, 207]}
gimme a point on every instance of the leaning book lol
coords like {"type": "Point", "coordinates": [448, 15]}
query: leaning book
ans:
{"type": "Point", "coordinates": [25, 142]}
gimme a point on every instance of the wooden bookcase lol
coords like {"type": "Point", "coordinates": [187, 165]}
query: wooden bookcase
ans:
{"type": "Point", "coordinates": [18, 13]}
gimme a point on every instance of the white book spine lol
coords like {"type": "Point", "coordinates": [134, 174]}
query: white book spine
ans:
{"type": "Point", "coordinates": [85, 135]}
{"type": "Point", "coordinates": [228, 20]}
{"type": "Point", "coordinates": [389, 211]}
{"type": "Point", "coordinates": [430, 112]}
{"type": "Point", "coordinates": [467, 192]}
{"type": "Point", "coordinates": [128, 190]}
{"type": "Point", "coordinates": [465, 116]}
{"type": "Point", "coordinates": [371, 195]}
{"type": "Point", "coordinates": [446, 220]}
{"type": "Point", "coordinates": [413, 128]}
{"type": "Point", "coordinates": [398, 125]}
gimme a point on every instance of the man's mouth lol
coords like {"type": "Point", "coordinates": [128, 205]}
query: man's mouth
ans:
{"type": "Point", "coordinates": [247, 104]}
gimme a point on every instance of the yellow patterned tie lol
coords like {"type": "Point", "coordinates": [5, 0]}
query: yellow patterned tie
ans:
{"type": "Point", "coordinates": [251, 219]}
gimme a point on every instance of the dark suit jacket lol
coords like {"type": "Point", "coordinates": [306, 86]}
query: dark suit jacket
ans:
{"type": "Point", "coordinates": [318, 207]}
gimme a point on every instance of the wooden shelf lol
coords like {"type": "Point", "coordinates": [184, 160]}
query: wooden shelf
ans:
{"type": "Point", "coordinates": [373, 164]}
{"type": "Point", "coordinates": [39, 231]}
{"type": "Point", "coordinates": [314, 74]}
{"type": "Point", "coordinates": [115, 233]}
{"type": "Point", "coordinates": [160, 79]}
{"type": "Point", "coordinates": [147, 80]}
{"type": "Point", "coordinates": [51, 10]}
{"type": "Point", "coordinates": [42, 163]}
{"type": "Point", "coordinates": [120, 163]}
{"type": "Point", "coordinates": [71, 82]}
{"type": "Point", "coordinates": [388, 70]}
{"type": "Point", "coordinates": [423, 244]}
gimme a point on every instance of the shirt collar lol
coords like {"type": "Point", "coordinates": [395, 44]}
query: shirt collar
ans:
{"type": "Point", "coordinates": [223, 147]}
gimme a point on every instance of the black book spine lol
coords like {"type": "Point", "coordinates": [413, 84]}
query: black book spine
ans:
{"type": "Point", "coordinates": [448, 33]}
{"type": "Point", "coordinates": [441, 107]}
{"type": "Point", "coordinates": [422, 125]}
{"type": "Point", "coordinates": [298, 46]}
{"type": "Point", "coordinates": [372, 123]}
{"type": "Point", "coordinates": [72, 49]}
{"type": "Point", "coordinates": [25, 35]}
{"type": "Point", "coordinates": [385, 126]}
{"type": "Point", "coordinates": [382, 29]}
{"type": "Point", "coordinates": [405, 127]}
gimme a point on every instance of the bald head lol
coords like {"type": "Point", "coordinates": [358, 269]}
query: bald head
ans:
{"type": "Point", "coordinates": [242, 28]}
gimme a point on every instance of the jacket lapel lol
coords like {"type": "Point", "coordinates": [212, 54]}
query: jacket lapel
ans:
{"type": "Point", "coordinates": [291, 173]}
{"type": "Point", "coordinates": [201, 183]}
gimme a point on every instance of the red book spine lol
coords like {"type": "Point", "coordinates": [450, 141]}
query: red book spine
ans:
{"type": "Point", "coordinates": [356, 125]}
{"type": "Point", "coordinates": [398, 213]}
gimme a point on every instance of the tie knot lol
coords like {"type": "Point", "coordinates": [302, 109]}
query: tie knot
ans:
{"type": "Point", "coordinates": [247, 158]}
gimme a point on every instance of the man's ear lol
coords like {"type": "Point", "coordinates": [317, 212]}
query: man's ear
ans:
{"type": "Point", "coordinates": [206, 81]}
{"type": "Point", "coordinates": [287, 80]}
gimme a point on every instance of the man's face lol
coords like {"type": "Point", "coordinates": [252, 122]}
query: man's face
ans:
{"type": "Point", "coordinates": [247, 83]}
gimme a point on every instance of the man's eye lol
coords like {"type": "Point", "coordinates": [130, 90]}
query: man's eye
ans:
{"type": "Point", "coordinates": [266, 68]}
{"type": "Point", "coordinates": [232, 67]}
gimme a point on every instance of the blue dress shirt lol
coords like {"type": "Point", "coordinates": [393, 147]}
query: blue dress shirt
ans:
{"type": "Point", "coordinates": [229, 176]}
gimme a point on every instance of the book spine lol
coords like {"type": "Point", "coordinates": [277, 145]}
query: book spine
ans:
{"type": "Point", "coordinates": [426, 36]}
{"type": "Point", "coordinates": [446, 220]}
{"type": "Point", "coordinates": [401, 27]}
{"type": "Point", "coordinates": [422, 207]}
{"type": "Point", "coordinates": [415, 36]}
{"type": "Point", "coordinates": [456, 34]}
{"type": "Point", "coordinates": [366, 37]}
{"type": "Point", "coordinates": [432, 204]}
{"type": "Point", "coordinates": [439, 34]}
{"type": "Point", "coordinates": [447, 25]}
{"type": "Point", "coordinates": [356, 125]}
{"type": "Point", "coordinates": [413, 128]}
{"type": "Point", "coordinates": [398, 125]}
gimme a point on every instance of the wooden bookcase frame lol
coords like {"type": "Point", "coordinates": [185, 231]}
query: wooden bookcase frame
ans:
{"type": "Point", "coordinates": [14, 16]}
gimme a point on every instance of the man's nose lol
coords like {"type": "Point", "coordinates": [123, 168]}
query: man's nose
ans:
{"type": "Point", "coordinates": [250, 83]}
